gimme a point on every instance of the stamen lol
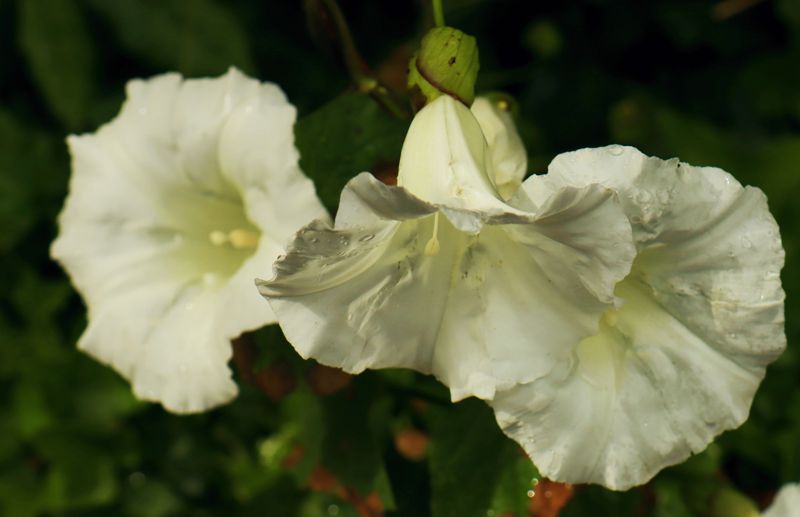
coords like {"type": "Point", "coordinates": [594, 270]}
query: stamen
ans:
{"type": "Point", "coordinates": [238, 238]}
{"type": "Point", "coordinates": [432, 246]}
{"type": "Point", "coordinates": [241, 239]}
{"type": "Point", "coordinates": [611, 317]}
{"type": "Point", "coordinates": [218, 238]}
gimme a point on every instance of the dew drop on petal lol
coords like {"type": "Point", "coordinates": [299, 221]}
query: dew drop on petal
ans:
{"type": "Point", "coordinates": [746, 243]}
{"type": "Point", "coordinates": [367, 238]}
{"type": "Point", "coordinates": [615, 150]}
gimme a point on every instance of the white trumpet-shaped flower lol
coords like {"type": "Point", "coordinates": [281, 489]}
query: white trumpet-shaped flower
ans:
{"type": "Point", "coordinates": [679, 360]}
{"type": "Point", "coordinates": [786, 503]}
{"type": "Point", "coordinates": [174, 207]}
{"type": "Point", "coordinates": [441, 275]}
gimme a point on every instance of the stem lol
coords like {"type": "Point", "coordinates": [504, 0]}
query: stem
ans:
{"type": "Point", "coordinates": [438, 13]}
{"type": "Point", "coordinates": [357, 68]}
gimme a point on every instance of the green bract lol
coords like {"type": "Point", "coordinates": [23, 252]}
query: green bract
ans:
{"type": "Point", "coordinates": [446, 63]}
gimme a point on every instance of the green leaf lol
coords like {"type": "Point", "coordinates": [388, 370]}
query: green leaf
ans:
{"type": "Point", "coordinates": [347, 136]}
{"type": "Point", "coordinates": [669, 500]}
{"type": "Point", "coordinates": [151, 499]}
{"type": "Point", "coordinates": [80, 476]}
{"type": "Point", "coordinates": [513, 491]}
{"type": "Point", "coordinates": [468, 457]}
{"type": "Point", "coordinates": [54, 40]}
{"type": "Point", "coordinates": [200, 37]}
{"type": "Point", "coordinates": [350, 447]}
{"type": "Point", "coordinates": [29, 173]}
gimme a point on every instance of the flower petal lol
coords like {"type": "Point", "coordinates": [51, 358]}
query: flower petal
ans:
{"type": "Point", "coordinates": [642, 394]}
{"type": "Point", "coordinates": [679, 362]}
{"type": "Point", "coordinates": [445, 161]}
{"type": "Point", "coordinates": [150, 194]}
{"type": "Point", "coordinates": [506, 150]}
{"type": "Point", "coordinates": [367, 295]}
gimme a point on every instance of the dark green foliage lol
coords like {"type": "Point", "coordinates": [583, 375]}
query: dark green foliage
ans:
{"type": "Point", "coordinates": [351, 134]}
{"type": "Point", "coordinates": [666, 76]}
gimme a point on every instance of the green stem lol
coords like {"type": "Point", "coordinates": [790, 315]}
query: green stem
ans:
{"type": "Point", "coordinates": [359, 72]}
{"type": "Point", "coordinates": [438, 13]}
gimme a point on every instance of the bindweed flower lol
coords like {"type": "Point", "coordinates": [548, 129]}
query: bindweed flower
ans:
{"type": "Point", "coordinates": [679, 360]}
{"type": "Point", "coordinates": [441, 275]}
{"type": "Point", "coordinates": [786, 503]}
{"type": "Point", "coordinates": [174, 207]}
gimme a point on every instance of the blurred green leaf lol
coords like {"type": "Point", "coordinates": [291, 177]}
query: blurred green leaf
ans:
{"type": "Point", "coordinates": [55, 41]}
{"type": "Point", "coordinates": [347, 136]}
{"type": "Point", "coordinates": [517, 479]}
{"type": "Point", "coordinates": [195, 38]}
{"type": "Point", "coordinates": [151, 499]}
{"type": "Point", "coordinates": [468, 455]}
{"type": "Point", "coordinates": [669, 500]}
{"type": "Point", "coordinates": [79, 475]}
{"type": "Point", "coordinates": [350, 448]}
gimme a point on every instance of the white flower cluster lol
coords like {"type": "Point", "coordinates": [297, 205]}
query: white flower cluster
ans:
{"type": "Point", "coordinates": [617, 313]}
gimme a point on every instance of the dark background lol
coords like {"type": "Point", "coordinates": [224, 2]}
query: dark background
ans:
{"type": "Point", "coordinates": [712, 83]}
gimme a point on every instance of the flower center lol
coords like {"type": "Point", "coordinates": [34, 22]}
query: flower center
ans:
{"type": "Point", "coordinates": [238, 238]}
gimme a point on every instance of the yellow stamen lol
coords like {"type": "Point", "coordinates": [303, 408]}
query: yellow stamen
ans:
{"type": "Point", "coordinates": [241, 239]}
{"type": "Point", "coordinates": [432, 246]}
{"type": "Point", "coordinates": [238, 238]}
{"type": "Point", "coordinates": [611, 316]}
{"type": "Point", "coordinates": [218, 238]}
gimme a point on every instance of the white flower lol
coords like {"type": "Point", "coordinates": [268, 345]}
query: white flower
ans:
{"type": "Point", "coordinates": [439, 274]}
{"type": "Point", "coordinates": [174, 207]}
{"type": "Point", "coordinates": [679, 361]}
{"type": "Point", "coordinates": [786, 503]}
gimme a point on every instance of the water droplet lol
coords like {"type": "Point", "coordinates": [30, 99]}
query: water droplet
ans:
{"type": "Point", "coordinates": [344, 241]}
{"type": "Point", "coordinates": [313, 240]}
{"type": "Point", "coordinates": [531, 493]}
{"type": "Point", "coordinates": [746, 243]}
{"type": "Point", "coordinates": [615, 150]}
{"type": "Point", "coordinates": [333, 509]}
{"type": "Point", "coordinates": [367, 238]}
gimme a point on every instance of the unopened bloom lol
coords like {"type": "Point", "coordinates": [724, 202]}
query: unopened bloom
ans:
{"type": "Point", "coordinates": [679, 360]}
{"type": "Point", "coordinates": [174, 207]}
{"type": "Point", "coordinates": [786, 503]}
{"type": "Point", "coordinates": [441, 275]}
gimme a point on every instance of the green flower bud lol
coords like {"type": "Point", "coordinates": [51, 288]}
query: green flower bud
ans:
{"type": "Point", "coordinates": [446, 63]}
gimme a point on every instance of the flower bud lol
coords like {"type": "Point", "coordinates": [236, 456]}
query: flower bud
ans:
{"type": "Point", "coordinates": [446, 63]}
